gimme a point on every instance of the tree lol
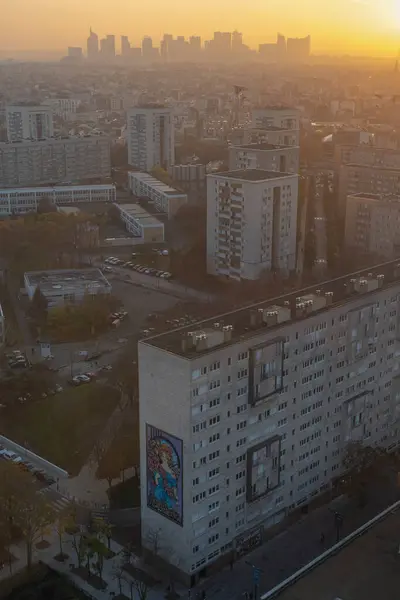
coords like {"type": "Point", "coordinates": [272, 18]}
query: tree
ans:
{"type": "Point", "coordinates": [153, 538]}
{"type": "Point", "coordinates": [45, 205]}
{"type": "Point", "coordinates": [364, 464]}
{"type": "Point", "coordinates": [141, 588]}
{"type": "Point", "coordinates": [33, 516]}
{"type": "Point", "coordinates": [38, 307]}
{"type": "Point", "coordinates": [63, 523]}
{"type": "Point", "coordinates": [118, 573]}
{"type": "Point", "coordinates": [96, 548]}
{"type": "Point", "coordinates": [102, 529]}
{"type": "Point", "coordinates": [79, 545]}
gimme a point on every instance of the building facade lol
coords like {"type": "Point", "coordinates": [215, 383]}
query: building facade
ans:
{"type": "Point", "coordinates": [364, 154]}
{"type": "Point", "coordinates": [275, 125]}
{"type": "Point", "coordinates": [166, 199]}
{"type": "Point", "coordinates": [2, 328]}
{"type": "Point", "coordinates": [23, 200]}
{"type": "Point", "coordinates": [265, 156]}
{"type": "Point", "coordinates": [140, 223]}
{"type": "Point", "coordinates": [69, 160]}
{"type": "Point", "coordinates": [367, 179]}
{"type": "Point", "coordinates": [29, 123]}
{"type": "Point", "coordinates": [150, 137]}
{"type": "Point", "coordinates": [248, 416]}
{"type": "Point", "coordinates": [373, 224]}
{"type": "Point", "coordinates": [251, 223]}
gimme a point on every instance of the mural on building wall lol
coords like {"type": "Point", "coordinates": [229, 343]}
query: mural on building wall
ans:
{"type": "Point", "coordinates": [164, 474]}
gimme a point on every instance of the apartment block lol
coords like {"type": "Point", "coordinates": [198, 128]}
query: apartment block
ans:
{"type": "Point", "coordinates": [69, 160]}
{"type": "Point", "coordinates": [269, 157]}
{"type": "Point", "coordinates": [150, 137]}
{"type": "Point", "coordinates": [251, 223]}
{"type": "Point", "coordinates": [29, 123]}
{"type": "Point", "coordinates": [275, 125]}
{"type": "Point", "coordinates": [373, 224]}
{"type": "Point", "coordinates": [165, 198]}
{"type": "Point", "coordinates": [247, 416]}
{"type": "Point", "coordinates": [364, 154]}
{"type": "Point", "coordinates": [362, 178]}
{"type": "Point", "coordinates": [23, 200]}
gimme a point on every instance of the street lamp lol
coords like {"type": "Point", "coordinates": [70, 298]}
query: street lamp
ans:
{"type": "Point", "coordinates": [256, 578]}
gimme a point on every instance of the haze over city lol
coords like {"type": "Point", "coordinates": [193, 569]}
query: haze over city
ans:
{"type": "Point", "coordinates": [356, 27]}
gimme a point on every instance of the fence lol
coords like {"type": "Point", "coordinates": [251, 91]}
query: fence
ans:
{"type": "Point", "coordinates": [23, 452]}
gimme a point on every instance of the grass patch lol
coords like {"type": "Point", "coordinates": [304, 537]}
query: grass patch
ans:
{"type": "Point", "coordinates": [64, 427]}
{"type": "Point", "coordinates": [125, 494]}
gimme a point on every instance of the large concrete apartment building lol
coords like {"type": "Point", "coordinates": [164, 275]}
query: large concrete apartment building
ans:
{"type": "Point", "coordinates": [373, 225]}
{"type": "Point", "coordinates": [274, 125]}
{"type": "Point", "coordinates": [251, 223]}
{"type": "Point", "coordinates": [247, 416]}
{"type": "Point", "coordinates": [368, 179]}
{"type": "Point", "coordinates": [69, 160]}
{"type": "Point", "coordinates": [29, 123]}
{"type": "Point", "coordinates": [150, 137]}
{"type": "Point", "coordinates": [269, 157]}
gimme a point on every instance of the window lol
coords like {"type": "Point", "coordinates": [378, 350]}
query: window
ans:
{"type": "Point", "coordinates": [213, 506]}
{"type": "Point", "coordinates": [214, 402]}
{"type": "Point", "coordinates": [240, 474]}
{"type": "Point", "coordinates": [213, 385]}
{"type": "Point", "coordinates": [282, 422]}
{"type": "Point", "coordinates": [213, 522]}
{"type": "Point", "coordinates": [213, 490]}
{"type": "Point", "coordinates": [242, 373]}
{"type": "Point", "coordinates": [241, 408]}
{"type": "Point", "coordinates": [243, 355]}
{"type": "Point", "coordinates": [213, 473]}
{"type": "Point", "coordinates": [196, 549]}
{"type": "Point", "coordinates": [240, 459]}
{"type": "Point", "coordinates": [215, 366]}
{"type": "Point", "coordinates": [213, 538]}
{"type": "Point", "coordinates": [198, 497]}
{"type": "Point", "coordinates": [195, 481]}
{"type": "Point", "coordinates": [214, 420]}
{"type": "Point", "coordinates": [241, 425]}
{"type": "Point", "coordinates": [199, 427]}
{"type": "Point", "coordinates": [213, 455]}
{"type": "Point", "coordinates": [241, 442]}
{"type": "Point", "coordinates": [213, 438]}
{"type": "Point", "coordinates": [241, 391]}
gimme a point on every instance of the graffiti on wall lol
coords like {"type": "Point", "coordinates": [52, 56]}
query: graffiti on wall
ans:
{"type": "Point", "coordinates": [164, 474]}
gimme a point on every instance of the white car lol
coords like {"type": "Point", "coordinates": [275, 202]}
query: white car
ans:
{"type": "Point", "coordinates": [78, 379]}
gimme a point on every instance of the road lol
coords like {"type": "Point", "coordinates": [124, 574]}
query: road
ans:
{"type": "Point", "coordinates": [297, 545]}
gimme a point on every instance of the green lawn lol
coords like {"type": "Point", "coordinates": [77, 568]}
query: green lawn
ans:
{"type": "Point", "coordinates": [64, 427]}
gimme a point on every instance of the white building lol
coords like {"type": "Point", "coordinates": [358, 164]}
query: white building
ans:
{"type": "Point", "coordinates": [29, 123]}
{"type": "Point", "coordinates": [66, 286]}
{"type": "Point", "coordinates": [140, 223]}
{"type": "Point", "coordinates": [275, 125]}
{"type": "Point", "coordinates": [71, 160]}
{"type": "Point", "coordinates": [165, 198]}
{"type": "Point", "coordinates": [251, 223]}
{"type": "Point", "coordinates": [150, 137]}
{"type": "Point", "coordinates": [269, 157]}
{"type": "Point", "coordinates": [247, 416]}
{"type": "Point", "coordinates": [23, 200]}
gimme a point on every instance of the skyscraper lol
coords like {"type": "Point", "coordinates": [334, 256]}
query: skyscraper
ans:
{"type": "Point", "coordinates": [237, 42]}
{"type": "Point", "coordinates": [298, 49]}
{"type": "Point", "coordinates": [107, 48]}
{"type": "Point", "coordinates": [125, 46]}
{"type": "Point", "coordinates": [147, 49]}
{"type": "Point", "coordinates": [280, 47]}
{"type": "Point", "coordinates": [29, 123]}
{"type": "Point", "coordinates": [92, 46]}
{"type": "Point", "coordinates": [150, 136]}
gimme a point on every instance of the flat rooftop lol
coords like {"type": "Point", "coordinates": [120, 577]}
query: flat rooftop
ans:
{"type": "Point", "coordinates": [79, 279]}
{"type": "Point", "coordinates": [143, 217]}
{"type": "Point", "coordinates": [240, 320]}
{"type": "Point", "coordinates": [253, 174]}
{"type": "Point", "coordinates": [377, 197]}
{"type": "Point", "coordinates": [366, 569]}
{"type": "Point", "coordinates": [372, 167]}
{"type": "Point", "coordinates": [264, 146]}
{"type": "Point", "coordinates": [57, 188]}
{"type": "Point", "coordinates": [156, 183]}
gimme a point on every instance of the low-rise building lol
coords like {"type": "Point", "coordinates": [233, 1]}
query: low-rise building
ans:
{"type": "Point", "coordinates": [66, 286]}
{"type": "Point", "coordinates": [270, 157]}
{"type": "Point", "coordinates": [23, 200]}
{"type": "Point", "coordinates": [140, 223]}
{"type": "Point", "coordinates": [166, 199]}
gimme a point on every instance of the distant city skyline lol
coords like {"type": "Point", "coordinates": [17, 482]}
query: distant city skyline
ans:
{"type": "Point", "coordinates": [367, 27]}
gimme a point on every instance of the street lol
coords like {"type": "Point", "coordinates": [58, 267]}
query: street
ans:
{"type": "Point", "coordinates": [300, 543]}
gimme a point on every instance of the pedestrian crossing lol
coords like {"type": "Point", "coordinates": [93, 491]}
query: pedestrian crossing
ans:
{"type": "Point", "coordinates": [57, 504]}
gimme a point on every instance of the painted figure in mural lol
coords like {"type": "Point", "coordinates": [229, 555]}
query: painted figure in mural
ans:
{"type": "Point", "coordinates": [164, 465]}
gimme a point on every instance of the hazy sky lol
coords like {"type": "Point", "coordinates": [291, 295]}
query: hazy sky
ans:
{"type": "Point", "coordinates": [336, 26]}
